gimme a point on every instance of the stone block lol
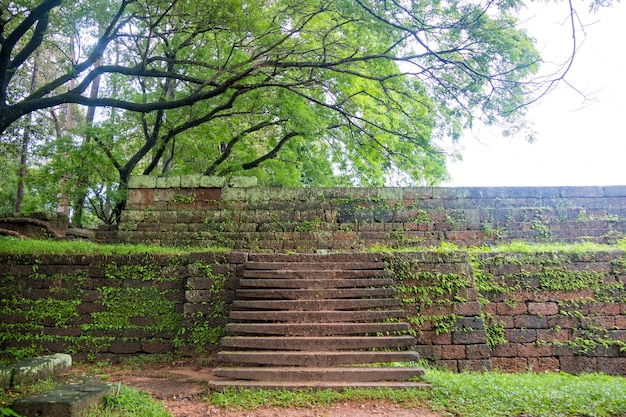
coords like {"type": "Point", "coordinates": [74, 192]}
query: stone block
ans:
{"type": "Point", "coordinates": [453, 352]}
{"type": "Point", "coordinates": [507, 350]}
{"type": "Point", "coordinates": [140, 198]}
{"type": "Point", "coordinates": [578, 364]}
{"type": "Point", "coordinates": [190, 181]}
{"type": "Point", "coordinates": [142, 181]}
{"type": "Point", "coordinates": [521, 335]}
{"type": "Point", "coordinates": [612, 366]}
{"type": "Point", "coordinates": [510, 364]}
{"type": "Point", "coordinates": [477, 352]}
{"type": "Point", "coordinates": [467, 309]}
{"type": "Point", "coordinates": [30, 370]}
{"type": "Point", "coordinates": [531, 322]}
{"type": "Point", "coordinates": [475, 365]}
{"type": "Point", "coordinates": [544, 309]}
{"type": "Point", "coordinates": [429, 352]}
{"type": "Point", "coordinates": [242, 182]}
{"type": "Point", "coordinates": [469, 337]}
{"type": "Point", "coordinates": [543, 364]}
{"type": "Point", "coordinates": [121, 346]}
{"type": "Point", "coordinates": [528, 350]}
{"type": "Point", "coordinates": [212, 182]}
{"type": "Point", "coordinates": [68, 401]}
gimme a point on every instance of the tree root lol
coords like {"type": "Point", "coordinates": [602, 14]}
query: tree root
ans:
{"type": "Point", "coordinates": [46, 225]}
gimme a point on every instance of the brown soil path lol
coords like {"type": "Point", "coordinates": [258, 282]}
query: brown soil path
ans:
{"type": "Point", "coordinates": [181, 385]}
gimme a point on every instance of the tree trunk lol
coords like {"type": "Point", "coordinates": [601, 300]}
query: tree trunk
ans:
{"type": "Point", "coordinates": [83, 178]}
{"type": "Point", "coordinates": [21, 173]}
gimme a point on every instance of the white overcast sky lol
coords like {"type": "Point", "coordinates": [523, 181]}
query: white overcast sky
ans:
{"type": "Point", "coordinates": [577, 143]}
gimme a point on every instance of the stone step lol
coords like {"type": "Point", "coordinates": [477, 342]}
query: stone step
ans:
{"type": "Point", "coordinates": [314, 274]}
{"type": "Point", "coordinates": [317, 316]}
{"type": "Point", "coordinates": [314, 283]}
{"type": "Point", "coordinates": [316, 358]}
{"type": "Point", "coordinates": [218, 385]}
{"type": "Point", "coordinates": [316, 305]}
{"type": "Point", "coordinates": [315, 329]}
{"type": "Point", "coordinates": [71, 400]}
{"type": "Point", "coordinates": [314, 257]}
{"type": "Point", "coordinates": [30, 370]}
{"type": "Point", "coordinates": [312, 266]}
{"type": "Point", "coordinates": [320, 374]}
{"type": "Point", "coordinates": [317, 343]}
{"type": "Point", "coordinates": [315, 294]}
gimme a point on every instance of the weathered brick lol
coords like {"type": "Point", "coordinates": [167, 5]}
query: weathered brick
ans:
{"type": "Point", "coordinates": [122, 347]}
{"type": "Point", "coordinates": [527, 350]}
{"type": "Point", "coordinates": [508, 350]}
{"type": "Point", "coordinates": [578, 364]}
{"type": "Point", "coordinates": [544, 309]}
{"type": "Point", "coordinates": [515, 309]}
{"type": "Point", "coordinates": [476, 365]}
{"type": "Point", "coordinates": [467, 309]}
{"type": "Point", "coordinates": [469, 337]}
{"type": "Point", "coordinates": [477, 352]}
{"type": "Point", "coordinates": [531, 322]}
{"type": "Point", "coordinates": [543, 364]}
{"type": "Point", "coordinates": [612, 366]}
{"type": "Point", "coordinates": [453, 352]}
{"type": "Point", "coordinates": [554, 335]}
{"type": "Point", "coordinates": [521, 335]}
{"type": "Point", "coordinates": [510, 364]}
{"type": "Point", "coordinates": [429, 351]}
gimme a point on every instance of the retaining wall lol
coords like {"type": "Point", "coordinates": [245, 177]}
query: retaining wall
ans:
{"type": "Point", "coordinates": [469, 310]}
{"type": "Point", "coordinates": [209, 211]}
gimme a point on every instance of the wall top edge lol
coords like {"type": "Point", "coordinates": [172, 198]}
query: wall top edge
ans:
{"type": "Point", "coordinates": [190, 181]}
{"type": "Point", "coordinates": [202, 181]}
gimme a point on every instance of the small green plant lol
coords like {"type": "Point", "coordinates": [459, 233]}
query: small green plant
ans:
{"type": "Point", "coordinates": [185, 199]}
{"type": "Point", "coordinates": [7, 412]}
{"type": "Point", "coordinates": [129, 402]}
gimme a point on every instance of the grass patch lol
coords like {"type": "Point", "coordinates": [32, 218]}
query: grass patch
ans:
{"type": "Point", "coordinates": [129, 403]}
{"type": "Point", "coordinates": [515, 247]}
{"type": "Point", "coordinates": [12, 245]}
{"type": "Point", "coordinates": [548, 394]}
{"type": "Point", "coordinates": [248, 398]}
{"type": "Point", "coordinates": [465, 394]}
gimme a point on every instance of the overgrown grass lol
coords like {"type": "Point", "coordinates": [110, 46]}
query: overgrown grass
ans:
{"type": "Point", "coordinates": [51, 247]}
{"type": "Point", "coordinates": [466, 394]}
{"type": "Point", "coordinates": [523, 247]}
{"type": "Point", "coordinates": [35, 246]}
{"type": "Point", "coordinates": [129, 403]}
{"type": "Point", "coordinates": [539, 395]}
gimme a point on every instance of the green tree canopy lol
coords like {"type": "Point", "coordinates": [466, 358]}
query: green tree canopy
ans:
{"type": "Point", "coordinates": [295, 92]}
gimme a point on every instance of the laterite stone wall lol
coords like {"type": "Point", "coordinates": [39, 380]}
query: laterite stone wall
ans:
{"type": "Point", "coordinates": [108, 307]}
{"type": "Point", "coordinates": [469, 310]}
{"type": "Point", "coordinates": [555, 311]}
{"type": "Point", "coordinates": [209, 211]}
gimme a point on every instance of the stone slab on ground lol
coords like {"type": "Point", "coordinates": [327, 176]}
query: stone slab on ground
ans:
{"type": "Point", "coordinates": [34, 369]}
{"type": "Point", "coordinates": [67, 401]}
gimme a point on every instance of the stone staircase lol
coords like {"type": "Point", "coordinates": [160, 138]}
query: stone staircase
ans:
{"type": "Point", "coordinates": [316, 321]}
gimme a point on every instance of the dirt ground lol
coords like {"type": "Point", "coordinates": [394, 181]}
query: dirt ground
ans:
{"type": "Point", "coordinates": [181, 385]}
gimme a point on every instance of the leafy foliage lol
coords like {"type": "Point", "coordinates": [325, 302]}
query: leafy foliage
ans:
{"type": "Point", "coordinates": [294, 92]}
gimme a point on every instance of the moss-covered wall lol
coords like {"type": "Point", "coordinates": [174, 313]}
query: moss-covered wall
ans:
{"type": "Point", "coordinates": [106, 307]}
{"type": "Point", "coordinates": [555, 310]}
{"type": "Point", "coordinates": [207, 211]}
{"type": "Point", "coordinates": [514, 311]}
